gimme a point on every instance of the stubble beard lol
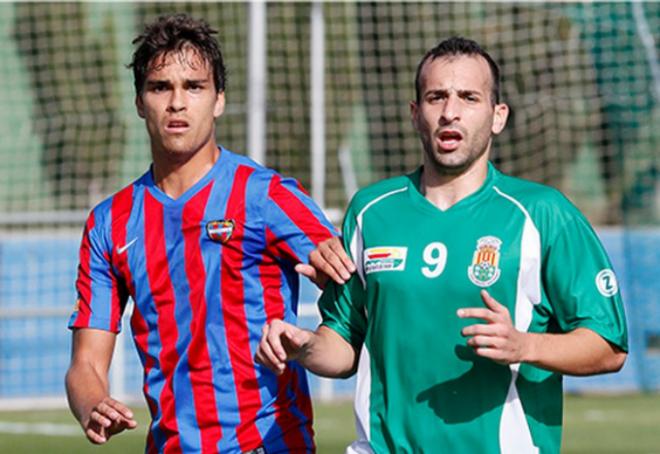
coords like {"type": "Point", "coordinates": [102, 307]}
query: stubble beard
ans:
{"type": "Point", "coordinates": [461, 163]}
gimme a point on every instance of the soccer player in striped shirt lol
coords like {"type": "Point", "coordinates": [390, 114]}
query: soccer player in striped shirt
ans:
{"type": "Point", "coordinates": [510, 265]}
{"type": "Point", "coordinates": [205, 243]}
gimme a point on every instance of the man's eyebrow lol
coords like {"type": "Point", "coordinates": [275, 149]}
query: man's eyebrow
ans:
{"type": "Point", "coordinates": [157, 81]}
{"type": "Point", "coordinates": [169, 82]}
{"type": "Point", "coordinates": [198, 81]}
{"type": "Point", "coordinates": [462, 91]}
{"type": "Point", "coordinates": [433, 91]}
{"type": "Point", "coordinates": [468, 91]}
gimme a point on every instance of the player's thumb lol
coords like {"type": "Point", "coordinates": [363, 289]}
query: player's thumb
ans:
{"type": "Point", "coordinates": [296, 338]}
{"type": "Point", "coordinates": [306, 270]}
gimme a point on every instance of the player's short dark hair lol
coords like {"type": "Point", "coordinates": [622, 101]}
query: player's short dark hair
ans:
{"type": "Point", "coordinates": [174, 33]}
{"type": "Point", "coordinates": [454, 46]}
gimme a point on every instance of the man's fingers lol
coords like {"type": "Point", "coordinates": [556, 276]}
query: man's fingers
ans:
{"type": "Point", "coordinates": [274, 341]}
{"type": "Point", "coordinates": [95, 437]}
{"type": "Point", "coordinates": [493, 312]}
{"type": "Point", "coordinates": [482, 329]}
{"type": "Point", "coordinates": [100, 419]}
{"type": "Point", "coordinates": [306, 270]}
{"type": "Point", "coordinates": [126, 412]}
{"type": "Point", "coordinates": [333, 258]}
{"type": "Point", "coordinates": [317, 277]}
{"type": "Point", "coordinates": [491, 353]}
{"type": "Point", "coordinates": [118, 413]}
{"type": "Point", "coordinates": [492, 303]}
{"type": "Point", "coordinates": [280, 342]}
{"type": "Point", "coordinates": [268, 358]}
{"type": "Point", "coordinates": [107, 418]}
{"type": "Point", "coordinates": [131, 424]}
{"type": "Point", "coordinates": [296, 337]}
{"type": "Point", "coordinates": [485, 342]}
{"type": "Point", "coordinates": [107, 409]}
{"type": "Point", "coordinates": [477, 312]}
{"type": "Point", "coordinates": [336, 245]}
{"type": "Point", "coordinates": [323, 267]}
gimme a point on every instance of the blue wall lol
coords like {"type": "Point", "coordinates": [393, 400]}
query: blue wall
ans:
{"type": "Point", "coordinates": [38, 273]}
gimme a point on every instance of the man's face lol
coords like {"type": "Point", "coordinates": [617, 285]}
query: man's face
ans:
{"type": "Point", "coordinates": [179, 104]}
{"type": "Point", "coordinates": [455, 116]}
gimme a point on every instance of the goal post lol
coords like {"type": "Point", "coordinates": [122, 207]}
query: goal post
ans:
{"type": "Point", "coordinates": [326, 79]}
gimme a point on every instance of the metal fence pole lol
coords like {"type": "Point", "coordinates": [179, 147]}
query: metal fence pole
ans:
{"type": "Point", "coordinates": [256, 95]}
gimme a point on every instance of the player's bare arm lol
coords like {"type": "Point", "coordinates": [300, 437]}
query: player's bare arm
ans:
{"type": "Point", "coordinates": [328, 261]}
{"type": "Point", "coordinates": [100, 415]}
{"type": "Point", "coordinates": [579, 352]}
{"type": "Point", "coordinates": [323, 351]}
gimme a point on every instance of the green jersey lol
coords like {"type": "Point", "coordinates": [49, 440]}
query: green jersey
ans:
{"type": "Point", "coordinates": [420, 388]}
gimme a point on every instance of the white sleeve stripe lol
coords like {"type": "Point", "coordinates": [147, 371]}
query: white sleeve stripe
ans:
{"type": "Point", "coordinates": [378, 199]}
{"type": "Point", "coordinates": [529, 279]}
{"type": "Point", "coordinates": [357, 247]}
{"type": "Point", "coordinates": [514, 201]}
{"type": "Point", "coordinates": [357, 243]}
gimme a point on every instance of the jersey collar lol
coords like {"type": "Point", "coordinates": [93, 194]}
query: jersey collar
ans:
{"type": "Point", "coordinates": [194, 189]}
{"type": "Point", "coordinates": [421, 201]}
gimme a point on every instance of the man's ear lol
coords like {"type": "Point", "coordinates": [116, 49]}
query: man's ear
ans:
{"type": "Point", "coordinates": [500, 115]}
{"type": "Point", "coordinates": [139, 106]}
{"type": "Point", "coordinates": [219, 108]}
{"type": "Point", "coordinates": [414, 110]}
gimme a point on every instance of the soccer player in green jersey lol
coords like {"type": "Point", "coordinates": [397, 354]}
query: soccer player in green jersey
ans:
{"type": "Point", "coordinates": [474, 292]}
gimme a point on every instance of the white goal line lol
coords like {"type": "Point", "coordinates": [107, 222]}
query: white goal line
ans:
{"type": "Point", "coordinates": [40, 428]}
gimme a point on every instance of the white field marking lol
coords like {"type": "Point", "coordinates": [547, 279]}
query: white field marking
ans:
{"type": "Point", "coordinates": [603, 415]}
{"type": "Point", "coordinates": [40, 428]}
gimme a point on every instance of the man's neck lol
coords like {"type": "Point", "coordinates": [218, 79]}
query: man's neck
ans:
{"type": "Point", "coordinates": [444, 191]}
{"type": "Point", "coordinates": [174, 174]}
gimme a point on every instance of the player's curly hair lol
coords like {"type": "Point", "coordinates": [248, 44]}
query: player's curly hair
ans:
{"type": "Point", "coordinates": [454, 46]}
{"type": "Point", "coordinates": [173, 33]}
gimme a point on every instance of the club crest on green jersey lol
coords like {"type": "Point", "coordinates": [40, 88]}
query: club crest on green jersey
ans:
{"type": "Point", "coordinates": [484, 270]}
{"type": "Point", "coordinates": [220, 231]}
{"type": "Point", "coordinates": [385, 258]}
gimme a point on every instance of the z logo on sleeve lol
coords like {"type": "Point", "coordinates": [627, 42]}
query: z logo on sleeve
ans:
{"type": "Point", "coordinates": [606, 283]}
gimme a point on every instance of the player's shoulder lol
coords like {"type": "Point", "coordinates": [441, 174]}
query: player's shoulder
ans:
{"type": "Point", "coordinates": [117, 207]}
{"type": "Point", "coordinates": [542, 202]}
{"type": "Point", "coordinates": [258, 173]}
{"type": "Point", "coordinates": [380, 190]}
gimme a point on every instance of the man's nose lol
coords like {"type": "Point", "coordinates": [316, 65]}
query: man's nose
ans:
{"type": "Point", "coordinates": [450, 109]}
{"type": "Point", "coordinates": [177, 101]}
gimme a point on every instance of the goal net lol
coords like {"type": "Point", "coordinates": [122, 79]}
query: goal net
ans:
{"type": "Point", "coordinates": [582, 81]}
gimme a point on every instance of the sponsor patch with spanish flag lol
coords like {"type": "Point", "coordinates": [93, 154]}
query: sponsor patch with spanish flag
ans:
{"type": "Point", "coordinates": [385, 258]}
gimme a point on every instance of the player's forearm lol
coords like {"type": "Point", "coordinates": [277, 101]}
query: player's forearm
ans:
{"type": "Point", "coordinates": [580, 352]}
{"type": "Point", "coordinates": [329, 355]}
{"type": "Point", "coordinates": [85, 388]}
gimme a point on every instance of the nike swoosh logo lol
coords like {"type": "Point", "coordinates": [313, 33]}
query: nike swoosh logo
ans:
{"type": "Point", "coordinates": [121, 250]}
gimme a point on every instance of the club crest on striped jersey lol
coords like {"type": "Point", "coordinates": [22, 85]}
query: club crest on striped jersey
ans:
{"type": "Point", "coordinates": [385, 258]}
{"type": "Point", "coordinates": [220, 231]}
{"type": "Point", "coordinates": [484, 270]}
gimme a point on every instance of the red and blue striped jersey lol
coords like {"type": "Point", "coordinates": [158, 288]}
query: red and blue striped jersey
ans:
{"type": "Point", "coordinates": [206, 271]}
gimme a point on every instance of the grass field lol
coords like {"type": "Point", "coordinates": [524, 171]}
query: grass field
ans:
{"type": "Point", "coordinates": [593, 424]}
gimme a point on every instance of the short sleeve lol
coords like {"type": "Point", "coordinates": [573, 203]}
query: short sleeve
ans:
{"type": "Point", "coordinates": [101, 294]}
{"type": "Point", "coordinates": [581, 284]}
{"type": "Point", "coordinates": [294, 224]}
{"type": "Point", "coordinates": [343, 307]}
